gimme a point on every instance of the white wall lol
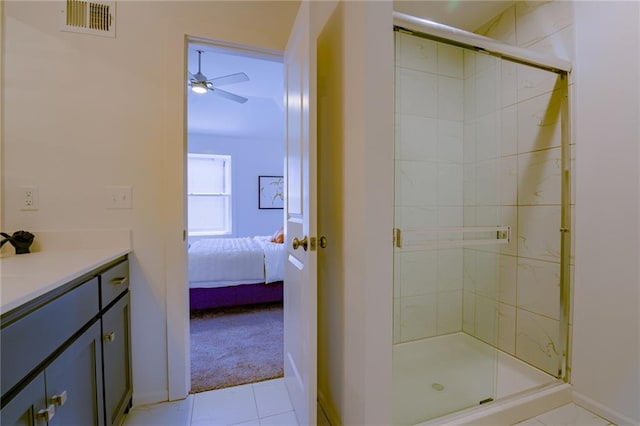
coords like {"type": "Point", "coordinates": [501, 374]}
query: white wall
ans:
{"type": "Point", "coordinates": [606, 334]}
{"type": "Point", "coordinates": [250, 158]}
{"type": "Point", "coordinates": [83, 112]}
{"type": "Point", "coordinates": [356, 163]}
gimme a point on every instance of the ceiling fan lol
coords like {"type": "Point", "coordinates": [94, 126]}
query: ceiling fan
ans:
{"type": "Point", "coordinates": [200, 84]}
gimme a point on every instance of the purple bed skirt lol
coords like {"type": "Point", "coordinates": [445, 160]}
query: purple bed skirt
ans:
{"type": "Point", "coordinates": [237, 295]}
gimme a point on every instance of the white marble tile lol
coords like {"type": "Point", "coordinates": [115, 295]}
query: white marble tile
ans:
{"type": "Point", "coordinates": [539, 287]}
{"type": "Point", "coordinates": [468, 312]}
{"type": "Point", "coordinates": [539, 123]}
{"type": "Point", "coordinates": [540, 177]}
{"type": "Point", "coordinates": [397, 273]}
{"type": "Point", "coordinates": [416, 183]}
{"type": "Point", "coordinates": [539, 232]}
{"type": "Point", "coordinates": [469, 269]}
{"type": "Point", "coordinates": [488, 86]}
{"type": "Point", "coordinates": [415, 217]}
{"type": "Point", "coordinates": [418, 317]}
{"type": "Point", "coordinates": [469, 190]}
{"type": "Point", "coordinates": [450, 99]}
{"type": "Point", "coordinates": [487, 184]}
{"type": "Point", "coordinates": [488, 134]}
{"type": "Point", "coordinates": [535, 81]}
{"type": "Point", "coordinates": [508, 216]}
{"type": "Point", "coordinates": [450, 265]}
{"type": "Point", "coordinates": [416, 53]}
{"type": "Point", "coordinates": [485, 61]}
{"type": "Point", "coordinates": [450, 191]}
{"type": "Point", "coordinates": [285, 419]}
{"type": "Point", "coordinates": [559, 44]}
{"type": "Point", "coordinates": [416, 93]}
{"type": "Point", "coordinates": [537, 20]}
{"type": "Point", "coordinates": [508, 180]}
{"type": "Point", "coordinates": [450, 60]}
{"type": "Point", "coordinates": [449, 316]}
{"type": "Point", "coordinates": [469, 142]}
{"type": "Point", "coordinates": [487, 216]}
{"type": "Point", "coordinates": [225, 406]}
{"type": "Point", "coordinates": [418, 272]}
{"type": "Point", "coordinates": [571, 415]}
{"type": "Point", "coordinates": [507, 328]}
{"type": "Point", "coordinates": [508, 278]}
{"type": "Point", "coordinates": [508, 83]}
{"type": "Point", "coordinates": [249, 423]}
{"type": "Point", "coordinates": [537, 341]}
{"type": "Point", "coordinates": [530, 422]}
{"type": "Point", "coordinates": [487, 274]}
{"type": "Point", "coordinates": [416, 138]}
{"type": "Point", "coordinates": [469, 103]}
{"type": "Point", "coordinates": [450, 137]}
{"type": "Point", "coordinates": [176, 413]}
{"type": "Point", "coordinates": [502, 27]}
{"type": "Point", "coordinates": [486, 319]}
{"type": "Point", "coordinates": [450, 217]}
{"type": "Point", "coordinates": [469, 63]}
{"type": "Point", "coordinates": [271, 397]}
{"type": "Point", "coordinates": [469, 215]}
{"type": "Point", "coordinates": [509, 131]}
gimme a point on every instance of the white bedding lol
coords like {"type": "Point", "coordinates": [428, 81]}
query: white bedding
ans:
{"type": "Point", "coordinates": [224, 261]}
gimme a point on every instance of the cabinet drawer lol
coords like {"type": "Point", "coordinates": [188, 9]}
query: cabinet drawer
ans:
{"type": "Point", "coordinates": [31, 339]}
{"type": "Point", "coordinates": [113, 282]}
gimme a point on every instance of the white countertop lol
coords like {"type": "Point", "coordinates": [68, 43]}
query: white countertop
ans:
{"type": "Point", "coordinates": [27, 276]}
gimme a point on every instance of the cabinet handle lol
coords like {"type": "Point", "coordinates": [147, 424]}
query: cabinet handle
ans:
{"type": "Point", "coordinates": [47, 413]}
{"type": "Point", "coordinates": [119, 281]}
{"type": "Point", "coordinates": [59, 399]}
{"type": "Point", "coordinates": [109, 337]}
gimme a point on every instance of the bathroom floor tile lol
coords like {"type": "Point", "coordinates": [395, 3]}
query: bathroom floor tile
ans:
{"type": "Point", "coordinates": [272, 398]}
{"type": "Point", "coordinates": [225, 406]}
{"type": "Point", "coordinates": [176, 413]}
{"type": "Point", "coordinates": [285, 419]}
{"type": "Point", "coordinates": [571, 415]}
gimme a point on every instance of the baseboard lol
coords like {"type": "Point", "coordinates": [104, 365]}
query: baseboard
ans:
{"type": "Point", "coordinates": [603, 411]}
{"type": "Point", "coordinates": [328, 410]}
{"type": "Point", "coordinates": [512, 410]}
{"type": "Point", "coordinates": [150, 398]}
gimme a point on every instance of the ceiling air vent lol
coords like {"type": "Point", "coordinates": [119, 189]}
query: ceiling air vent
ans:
{"type": "Point", "coordinates": [89, 17]}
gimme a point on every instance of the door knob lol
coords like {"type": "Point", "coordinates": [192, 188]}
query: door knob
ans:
{"type": "Point", "coordinates": [300, 243]}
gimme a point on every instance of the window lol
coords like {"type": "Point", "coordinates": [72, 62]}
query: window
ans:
{"type": "Point", "coordinates": [209, 194]}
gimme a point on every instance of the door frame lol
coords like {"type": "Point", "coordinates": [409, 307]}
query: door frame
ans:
{"type": "Point", "coordinates": [177, 306]}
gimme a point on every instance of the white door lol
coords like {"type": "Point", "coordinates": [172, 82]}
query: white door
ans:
{"type": "Point", "coordinates": [300, 287]}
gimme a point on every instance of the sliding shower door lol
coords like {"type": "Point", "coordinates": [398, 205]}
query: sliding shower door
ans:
{"type": "Point", "coordinates": [478, 162]}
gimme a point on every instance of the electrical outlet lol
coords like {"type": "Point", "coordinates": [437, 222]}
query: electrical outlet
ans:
{"type": "Point", "coordinates": [119, 197]}
{"type": "Point", "coordinates": [29, 198]}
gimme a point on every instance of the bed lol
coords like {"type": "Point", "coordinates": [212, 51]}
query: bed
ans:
{"type": "Point", "coordinates": [225, 272]}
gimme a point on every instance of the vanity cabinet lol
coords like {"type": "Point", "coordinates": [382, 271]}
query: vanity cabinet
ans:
{"type": "Point", "coordinates": [66, 356]}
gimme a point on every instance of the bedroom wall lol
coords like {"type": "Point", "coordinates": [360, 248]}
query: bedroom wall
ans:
{"type": "Point", "coordinates": [250, 158]}
{"type": "Point", "coordinates": [84, 112]}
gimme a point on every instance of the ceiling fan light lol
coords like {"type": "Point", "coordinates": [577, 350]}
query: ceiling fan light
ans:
{"type": "Point", "coordinates": [199, 88]}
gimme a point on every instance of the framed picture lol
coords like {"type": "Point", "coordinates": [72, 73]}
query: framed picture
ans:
{"type": "Point", "coordinates": [270, 192]}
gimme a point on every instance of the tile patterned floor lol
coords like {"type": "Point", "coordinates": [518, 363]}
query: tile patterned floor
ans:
{"type": "Point", "coordinates": [267, 404]}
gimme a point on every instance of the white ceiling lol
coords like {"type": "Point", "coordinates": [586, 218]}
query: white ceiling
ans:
{"type": "Point", "coordinates": [263, 113]}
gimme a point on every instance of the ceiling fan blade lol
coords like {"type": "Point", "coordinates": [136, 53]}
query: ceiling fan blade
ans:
{"type": "Point", "coordinates": [191, 76]}
{"type": "Point", "coordinates": [230, 79]}
{"type": "Point", "coordinates": [228, 95]}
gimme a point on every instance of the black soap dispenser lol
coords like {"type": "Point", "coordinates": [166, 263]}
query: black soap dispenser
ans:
{"type": "Point", "coordinates": [20, 240]}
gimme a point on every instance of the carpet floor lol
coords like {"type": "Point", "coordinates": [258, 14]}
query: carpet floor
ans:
{"type": "Point", "coordinates": [235, 346]}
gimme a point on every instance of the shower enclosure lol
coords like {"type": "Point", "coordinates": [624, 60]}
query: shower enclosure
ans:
{"type": "Point", "coordinates": [481, 258]}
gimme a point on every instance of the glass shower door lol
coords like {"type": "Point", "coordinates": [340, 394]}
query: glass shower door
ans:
{"type": "Point", "coordinates": [450, 227]}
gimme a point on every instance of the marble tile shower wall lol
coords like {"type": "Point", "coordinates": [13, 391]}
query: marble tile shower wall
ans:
{"type": "Point", "coordinates": [511, 293]}
{"type": "Point", "coordinates": [429, 177]}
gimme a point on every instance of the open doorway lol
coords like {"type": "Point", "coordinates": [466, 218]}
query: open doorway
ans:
{"type": "Point", "coordinates": [236, 256]}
